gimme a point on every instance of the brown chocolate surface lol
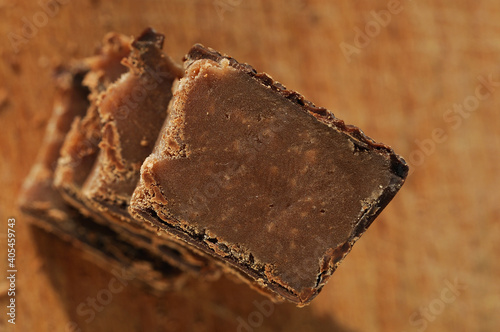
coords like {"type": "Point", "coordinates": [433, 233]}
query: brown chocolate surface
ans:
{"type": "Point", "coordinates": [253, 174]}
{"type": "Point", "coordinates": [80, 147]}
{"type": "Point", "coordinates": [38, 197]}
{"type": "Point", "coordinates": [101, 157]}
{"type": "Point", "coordinates": [131, 113]}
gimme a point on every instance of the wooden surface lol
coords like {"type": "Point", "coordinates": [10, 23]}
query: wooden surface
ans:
{"type": "Point", "coordinates": [441, 229]}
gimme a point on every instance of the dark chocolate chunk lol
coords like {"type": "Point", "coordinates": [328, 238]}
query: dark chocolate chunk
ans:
{"type": "Point", "coordinates": [251, 173]}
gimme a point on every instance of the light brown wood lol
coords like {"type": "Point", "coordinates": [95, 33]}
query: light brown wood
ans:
{"type": "Point", "coordinates": [442, 228]}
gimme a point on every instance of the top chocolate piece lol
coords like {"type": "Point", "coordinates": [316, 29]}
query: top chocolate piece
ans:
{"type": "Point", "coordinates": [256, 176]}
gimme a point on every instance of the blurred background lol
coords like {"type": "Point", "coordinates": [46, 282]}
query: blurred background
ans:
{"type": "Point", "coordinates": [421, 76]}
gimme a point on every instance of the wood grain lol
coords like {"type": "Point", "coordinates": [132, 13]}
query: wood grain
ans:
{"type": "Point", "coordinates": [401, 87]}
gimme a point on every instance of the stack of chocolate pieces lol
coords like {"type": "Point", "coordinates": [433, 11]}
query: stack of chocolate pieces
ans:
{"type": "Point", "coordinates": [173, 171]}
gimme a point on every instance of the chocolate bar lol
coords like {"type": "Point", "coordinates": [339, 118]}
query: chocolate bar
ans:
{"type": "Point", "coordinates": [79, 150]}
{"type": "Point", "coordinates": [131, 113]}
{"type": "Point", "coordinates": [101, 157]}
{"type": "Point", "coordinates": [39, 199]}
{"type": "Point", "coordinates": [255, 176]}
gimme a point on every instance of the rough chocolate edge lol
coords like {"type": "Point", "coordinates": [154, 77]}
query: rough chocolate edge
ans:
{"type": "Point", "coordinates": [175, 252]}
{"type": "Point", "coordinates": [113, 43]}
{"type": "Point", "coordinates": [108, 55]}
{"type": "Point", "coordinates": [198, 242]}
{"type": "Point", "coordinates": [150, 35]}
{"type": "Point", "coordinates": [147, 45]}
{"type": "Point", "coordinates": [115, 213]}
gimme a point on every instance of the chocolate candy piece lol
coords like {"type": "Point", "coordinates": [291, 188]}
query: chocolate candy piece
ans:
{"type": "Point", "coordinates": [39, 199]}
{"type": "Point", "coordinates": [79, 151]}
{"type": "Point", "coordinates": [102, 155]}
{"type": "Point", "coordinates": [252, 174]}
{"type": "Point", "coordinates": [131, 113]}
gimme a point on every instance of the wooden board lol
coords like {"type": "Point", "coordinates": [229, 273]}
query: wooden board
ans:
{"type": "Point", "coordinates": [428, 263]}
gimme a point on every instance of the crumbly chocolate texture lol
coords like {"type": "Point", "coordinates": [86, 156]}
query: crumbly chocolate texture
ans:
{"type": "Point", "coordinates": [131, 113]}
{"type": "Point", "coordinates": [39, 199]}
{"type": "Point", "coordinates": [79, 151]}
{"type": "Point", "coordinates": [251, 173]}
{"type": "Point", "coordinates": [101, 157]}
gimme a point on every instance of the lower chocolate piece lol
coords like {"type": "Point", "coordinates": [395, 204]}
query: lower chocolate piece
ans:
{"type": "Point", "coordinates": [38, 198]}
{"type": "Point", "coordinates": [251, 173]}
